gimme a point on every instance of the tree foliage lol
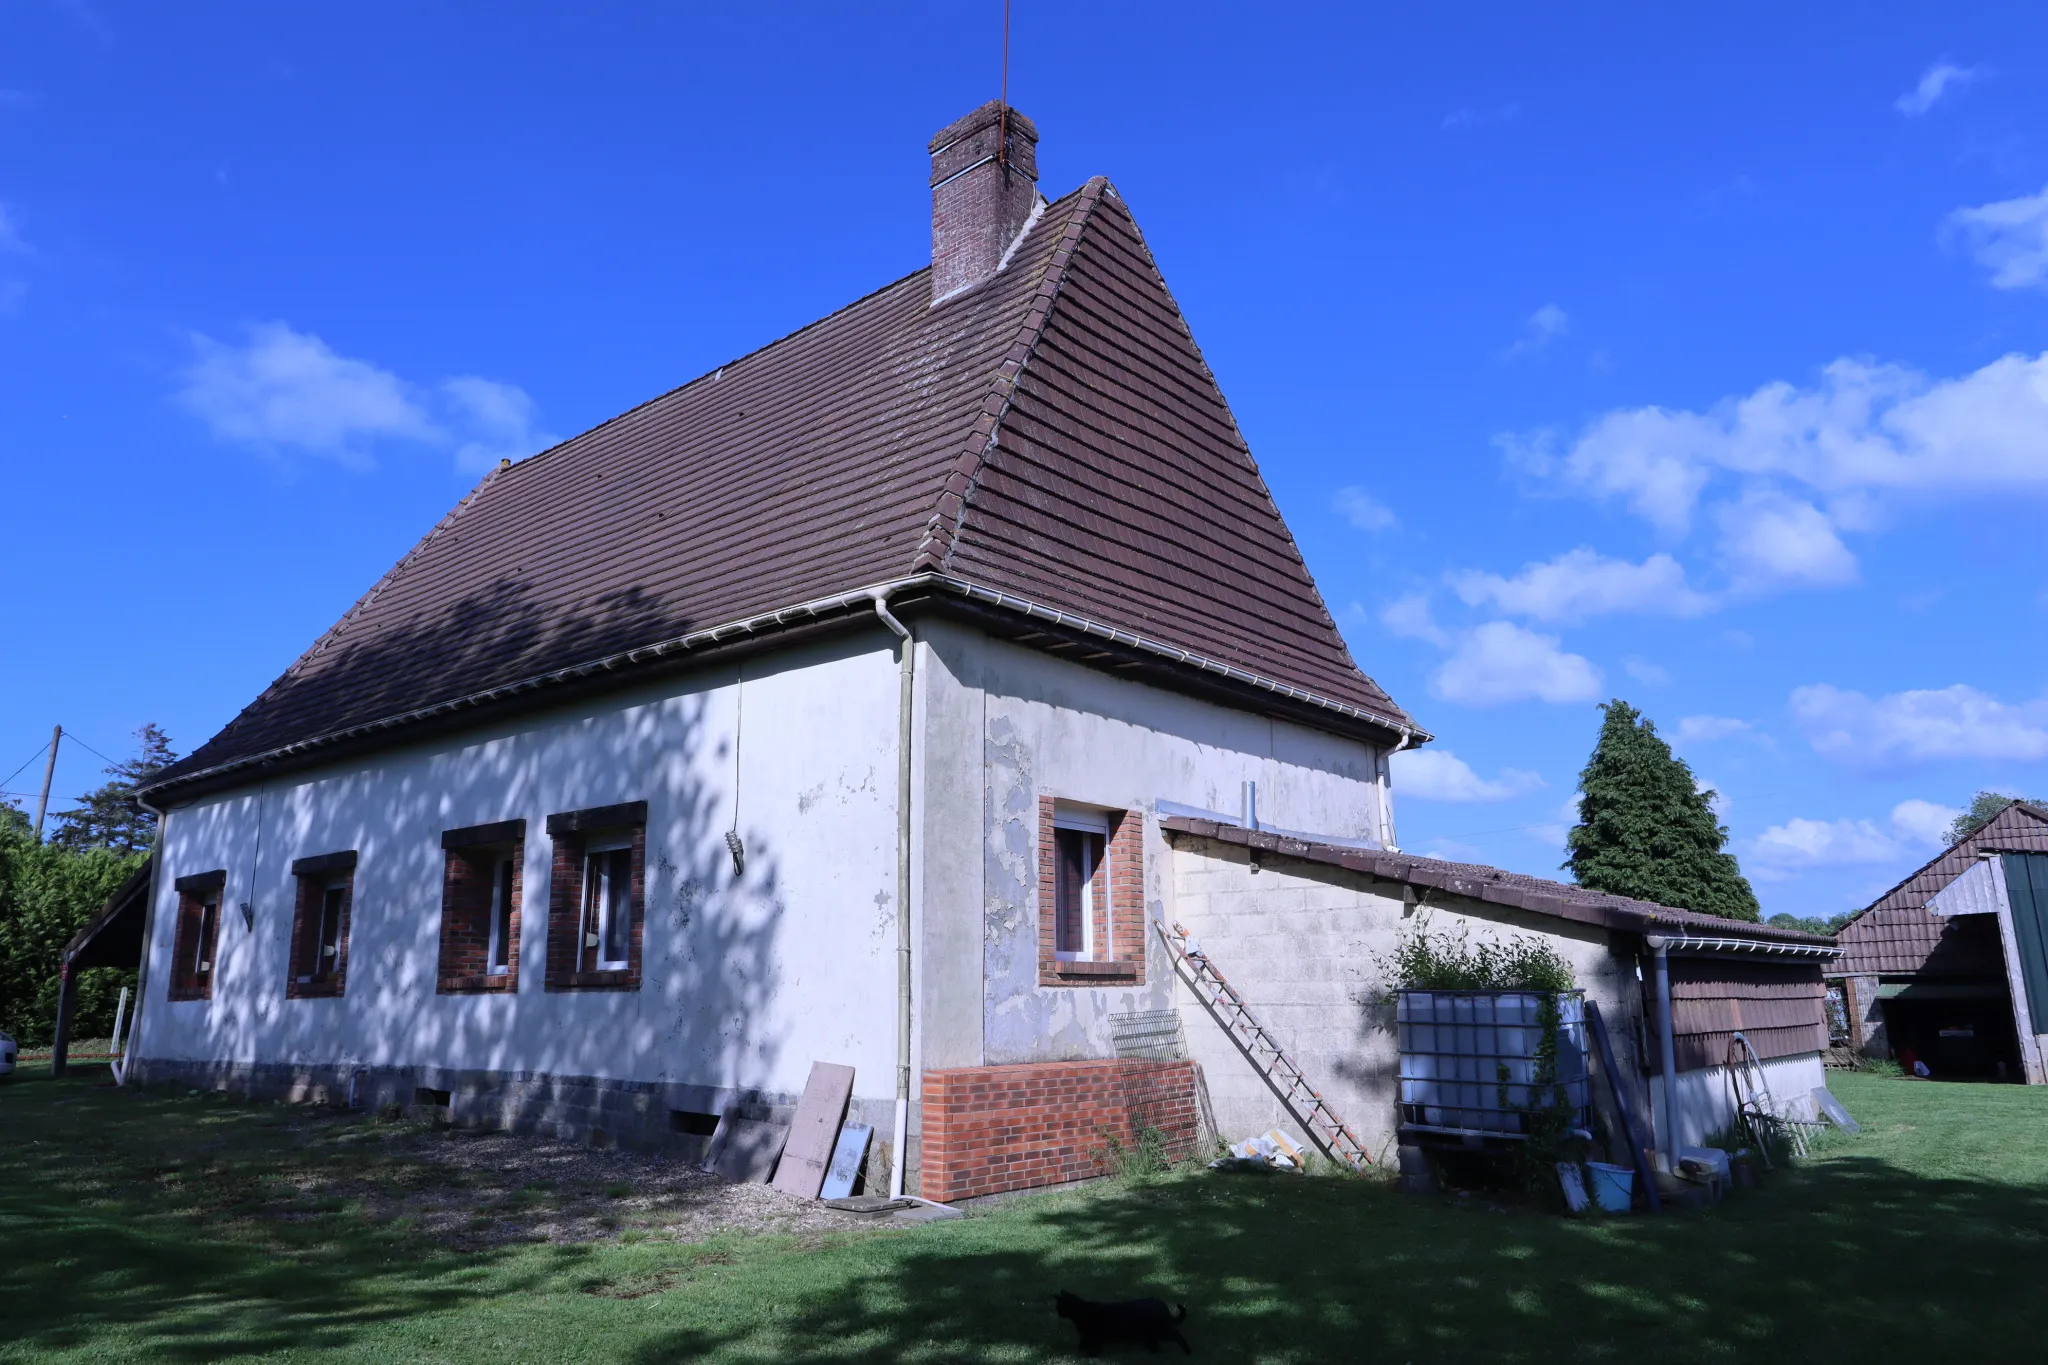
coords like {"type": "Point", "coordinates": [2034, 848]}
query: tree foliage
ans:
{"type": "Point", "coordinates": [107, 816]}
{"type": "Point", "coordinates": [46, 892]}
{"type": "Point", "coordinates": [1424, 959]}
{"type": "Point", "coordinates": [49, 890]}
{"type": "Point", "coordinates": [1647, 830]}
{"type": "Point", "coordinates": [1984, 808]}
{"type": "Point", "coordinates": [1812, 924]}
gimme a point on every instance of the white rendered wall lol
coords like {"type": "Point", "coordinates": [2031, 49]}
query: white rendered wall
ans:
{"type": "Point", "coordinates": [1706, 1097]}
{"type": "Point", "coordinates": [1004, 725]}
{"type": "Point", "coordinates": [1303, 943]}
{"type": "Point", "coordinates": [744, 982]}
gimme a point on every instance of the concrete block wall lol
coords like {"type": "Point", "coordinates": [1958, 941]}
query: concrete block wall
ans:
{"type": "Point", "coordinates": [988, 1129]}
{"type": "Point", "coordinates": [1304, 943]}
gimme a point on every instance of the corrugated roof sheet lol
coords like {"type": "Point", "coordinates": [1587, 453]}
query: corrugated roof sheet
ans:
{"type": "Point", "coordinates": [1053, 434]}
{"type": "Point", "coordinates": [1895, 934]}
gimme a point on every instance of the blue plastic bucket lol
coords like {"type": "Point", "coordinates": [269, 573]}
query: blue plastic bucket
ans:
{"type": "Point", "coordinates": [1613, 1186]}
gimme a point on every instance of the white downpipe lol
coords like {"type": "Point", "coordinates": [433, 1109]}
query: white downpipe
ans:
{"type": "Point", "coordinates": [908, 649]}
{"type": "Point", "coordinates": [1387, 791]}
{"type": "Point", "coordinates": [1667, 1054]}
{"type": "Point", "coordinates": [156, 877]}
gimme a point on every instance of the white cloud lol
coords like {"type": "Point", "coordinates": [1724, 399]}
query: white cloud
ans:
{"type": "Point", "coordinates": [11, 240]}
{"type": "Point", "coordinates": [1544, 326]}
{"type": "Point", "coordinates": [1469, 117]}
{"type": "Point", "coordinates": [1701, 729]}
{"type": "Point", "coordinates": [1934, 83]}
{"type": "Point", "coordinates": [2009, 238]}
{"type": "Point", "coordinates": [1643, 671]}
{"type": "Point", "coordinates": [1769, 540]}
{"type": "Point", "coordinates": [1800, 842]}
{"type": "Point", "coordinates": [1502, 662]}
{"type": "Point", "coordinates": [503, 416]}
{"type": "Point", "coordinates": [1364, 511]}
{"type": "Point", "coordinates": [1864, 433]}
{"type": "Point", "coordinates": [284, 389]}
{"type": "Point", "coordinates": [1921, 726]}
{"type": "Point", "coordinates": [1581, 583]}
{"type": "Point", "coordinates": [1409, 618]}
{"type": "Point", "coordinates": [1440, 775]}
{"type": "Point", "coordinates": [1924, 822]}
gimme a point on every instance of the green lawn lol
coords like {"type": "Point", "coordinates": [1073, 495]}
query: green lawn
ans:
{"type": "Point", "coordinates": [157, 1227]}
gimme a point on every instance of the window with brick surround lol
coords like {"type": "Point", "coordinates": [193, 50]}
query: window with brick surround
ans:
{"type": "Point", "coordinates": [1091, 895]}
{"type": "Point", "coordinates": [482, 871]}
{"type": "Point", "coordinates": [192, 948]}
{"type": "Point", "coordinates": [597, 897]}
{"type": "Point", "coordinates": [320, 921]}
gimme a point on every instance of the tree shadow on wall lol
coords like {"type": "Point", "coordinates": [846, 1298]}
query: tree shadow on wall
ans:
{"type": "Point", "coordinates": [706, 1010]}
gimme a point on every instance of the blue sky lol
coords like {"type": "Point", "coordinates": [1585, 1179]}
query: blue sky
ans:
{"type": "Point", "coordinates": [1692, 359]}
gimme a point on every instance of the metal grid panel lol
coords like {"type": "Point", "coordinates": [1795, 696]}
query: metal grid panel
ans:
{"type": "Point", "coordinates": [1468, 1060]}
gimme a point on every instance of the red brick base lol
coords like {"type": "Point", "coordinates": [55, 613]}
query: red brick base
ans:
{"type": "Point", "coordinates": [994, 1128]}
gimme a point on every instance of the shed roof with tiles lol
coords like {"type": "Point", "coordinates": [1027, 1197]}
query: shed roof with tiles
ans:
{"type": "Point", "coordinates": [1895, 935]}
{"type": "Point", "coordinates": [1046, 449]}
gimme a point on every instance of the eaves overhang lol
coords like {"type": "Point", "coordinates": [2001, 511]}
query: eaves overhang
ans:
{"type": "Point", "coordinates": [841, 608]}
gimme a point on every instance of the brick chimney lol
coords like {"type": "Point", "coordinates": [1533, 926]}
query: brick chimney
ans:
{"type": "Point", "coordinates": [983, 195]}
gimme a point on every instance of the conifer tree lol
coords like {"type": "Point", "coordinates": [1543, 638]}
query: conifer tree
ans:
{"type": "Point", "coordinates": [1646, 830]}
{"type": "Point", "coordinates": [107, 816]}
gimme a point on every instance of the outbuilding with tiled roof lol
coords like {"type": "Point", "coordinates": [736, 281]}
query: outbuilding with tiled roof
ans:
{"type": "Point", "coordinates": [1949, 969]}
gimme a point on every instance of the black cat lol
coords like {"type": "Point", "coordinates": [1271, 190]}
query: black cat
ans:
{"type": "Point", "coordinates": [1145, 1322]}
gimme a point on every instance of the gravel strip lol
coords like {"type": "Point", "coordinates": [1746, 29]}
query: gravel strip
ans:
{"type": "Point", "coordinates": [480, 1190]}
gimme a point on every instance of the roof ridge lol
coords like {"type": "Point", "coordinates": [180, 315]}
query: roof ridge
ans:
{"type": "Point", "coordinates": [956, 490]}
{"type": "Point", "coordinates": [391, 575]}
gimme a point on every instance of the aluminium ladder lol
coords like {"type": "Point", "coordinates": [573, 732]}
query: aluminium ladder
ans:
{"type": "Point", "coordinates": [1221, 999]}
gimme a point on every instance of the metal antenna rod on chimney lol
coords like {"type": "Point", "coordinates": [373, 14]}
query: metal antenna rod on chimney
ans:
{"type": "Point", "coordinates": [1003, 131]}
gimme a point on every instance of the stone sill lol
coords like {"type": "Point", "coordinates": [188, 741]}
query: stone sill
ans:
{"type": "Point", "coordinates": [1084, 970]}
{"type": "Point", "coordinates": [626, 980]}
{"type": "Point", "coordinates": [497, 984]}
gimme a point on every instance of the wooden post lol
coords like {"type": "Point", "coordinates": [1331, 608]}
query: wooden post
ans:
{"type": "Point", "coordinates": [49, 771]}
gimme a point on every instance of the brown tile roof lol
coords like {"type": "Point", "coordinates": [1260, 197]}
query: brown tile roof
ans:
{"type": "Point", "coordinates": [1514, 890]}
{"type": "Point", "coordinates": [1896, 935]}
{"type": "Point", "coordinates": [1052, 437]}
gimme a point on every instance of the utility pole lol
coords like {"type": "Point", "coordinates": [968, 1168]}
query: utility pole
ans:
{"type": "Point", "coordinates": [49, 771]}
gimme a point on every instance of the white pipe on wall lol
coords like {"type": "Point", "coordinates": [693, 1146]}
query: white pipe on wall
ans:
{"type": "Point", "coordinates": [908, 649]}
{"type": "Point", "coordinates": [1667, 1053]}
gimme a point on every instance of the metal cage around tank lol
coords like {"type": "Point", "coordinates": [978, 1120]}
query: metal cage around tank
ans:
{"type": "Point", "coordinates": [1470, 1061]}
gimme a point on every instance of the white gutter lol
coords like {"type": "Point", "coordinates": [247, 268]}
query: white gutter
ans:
{"type": "Point", "coordinates": [1722, 943]}
{"type": "Point", "coordinates": [906, 699]}
{"type": "Point", "coordinates": [784, 616]}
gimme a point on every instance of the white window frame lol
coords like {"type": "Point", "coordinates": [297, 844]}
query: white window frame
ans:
{"type": "Point", "coordinates": [324, 965]}
{"type": "Point", "coordinates": [591, 937]}
{"type": "Point", "coordinates": [498, 947]}
{"type": "Point", "coordinates": [208, 909]}
{"type": "Point", "coordinates": [1083, 820]}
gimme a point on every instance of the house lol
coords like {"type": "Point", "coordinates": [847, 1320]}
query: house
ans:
{"type": "Point", "coordinates": [1950, 967]}
{"type": "Point", "coordinates": [838, 705]}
